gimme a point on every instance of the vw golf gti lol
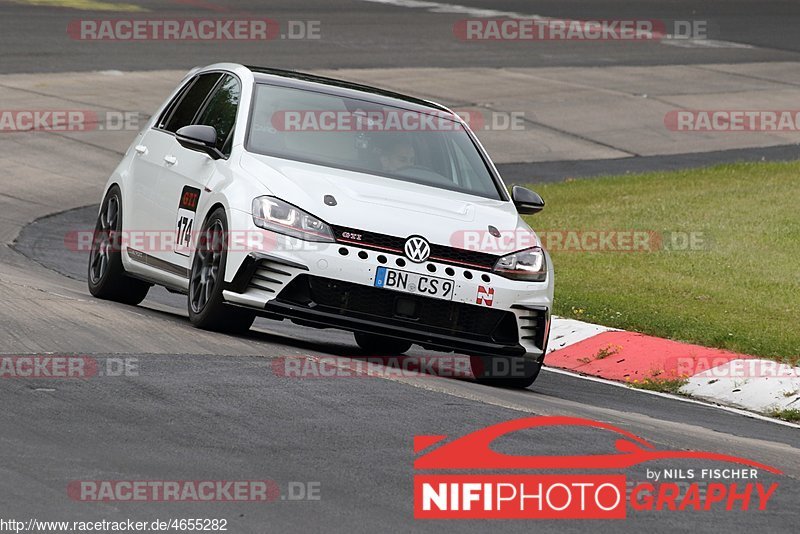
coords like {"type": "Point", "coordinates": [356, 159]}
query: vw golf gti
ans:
{"type": "Point", "coordinates": [263, 192]}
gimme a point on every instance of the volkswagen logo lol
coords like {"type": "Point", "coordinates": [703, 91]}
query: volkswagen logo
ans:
{"type": "Point", "coordinates": [417, 249]}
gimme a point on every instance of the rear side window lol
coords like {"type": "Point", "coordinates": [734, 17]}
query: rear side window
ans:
{"type": "Point", "coordinates": [190, 102]}
{"type": "Point", "coordinates": [220, 111]}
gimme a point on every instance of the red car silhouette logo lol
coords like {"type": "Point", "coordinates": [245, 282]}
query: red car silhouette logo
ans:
{"type": "Point", "coordinates": [474, 451]}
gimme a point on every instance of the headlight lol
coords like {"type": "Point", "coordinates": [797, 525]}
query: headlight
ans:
{"type": "Point", "coordinates": [527, 265]}
{"type": "Point", "coordinates": [274, 214]}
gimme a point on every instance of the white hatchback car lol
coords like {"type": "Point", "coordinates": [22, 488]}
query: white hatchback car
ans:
{"type": "Point", "coordinates": [336, 205]}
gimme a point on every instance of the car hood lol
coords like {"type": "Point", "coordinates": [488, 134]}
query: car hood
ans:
{"type": "Point", "coordinates": [385, 205]}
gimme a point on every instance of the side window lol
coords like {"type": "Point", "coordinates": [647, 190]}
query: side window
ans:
{"type": "Point", "coordinates": [162, 120]}
{"type": "Point", "coordinates": [191, 102]}
{"type": "Point", "coordinates": [220, 111]}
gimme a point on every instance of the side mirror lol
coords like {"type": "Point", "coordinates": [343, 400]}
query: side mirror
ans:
{"type": "Point", "coordinates": [199, 138]}
{"type": "Point", "coordinates": [526, 201]}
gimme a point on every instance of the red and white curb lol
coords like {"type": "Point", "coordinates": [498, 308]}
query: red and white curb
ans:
{"type": "Point", "coordinates": [714, 375]}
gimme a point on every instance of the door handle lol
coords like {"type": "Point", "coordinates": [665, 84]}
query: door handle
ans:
{"type": "Point", "coordinates": [140, 149]}
{"type": "Point", "coordinates": [170, 160]}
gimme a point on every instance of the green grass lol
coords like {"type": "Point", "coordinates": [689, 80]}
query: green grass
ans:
{"type": "Point", "coordinates": [788, 414]}
{"type": "Point", "coordinates": [740, 291]}
{"type": "Point", "coordinates": [665, 386]}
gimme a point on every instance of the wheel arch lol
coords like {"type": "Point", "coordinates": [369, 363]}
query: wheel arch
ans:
{"type": "Point", "coordinates": [212, 208]}
{"type": "Point", "coordinates": [215, 204]}
{"type": "Point", "coordinates": [109, 186]}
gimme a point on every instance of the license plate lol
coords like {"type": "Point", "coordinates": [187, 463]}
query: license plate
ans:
{"type": "Point", "coordinates": [419, 284]}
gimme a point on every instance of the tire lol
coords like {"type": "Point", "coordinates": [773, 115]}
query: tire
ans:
{"type": "Point", "coordinates": [380, 345]}
{"type": "Point", "coordinates": [505, 372]}
{"type": "Point", "coordinates": [207, 309]}
{"type": "Point", "coordinates": [106, 276]}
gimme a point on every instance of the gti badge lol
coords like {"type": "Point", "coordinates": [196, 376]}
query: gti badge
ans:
{"type": "Point", "coordinates": [417, 249]}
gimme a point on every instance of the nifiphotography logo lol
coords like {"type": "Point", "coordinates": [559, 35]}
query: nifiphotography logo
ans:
{"type": "Point", "coordinates": [502, 494]}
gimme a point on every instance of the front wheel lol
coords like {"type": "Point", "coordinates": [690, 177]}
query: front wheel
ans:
{"type": "Point", "coordinates": [106, 275]}
{"type": "Point", "coordinates": [505, 372]}
{"type": "Point", "coordinates": [207, 309]}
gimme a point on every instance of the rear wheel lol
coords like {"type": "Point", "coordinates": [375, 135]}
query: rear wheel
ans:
{"type": "Point", "coordinates": [381, 345]}
{"type": "Point", "coordinates": [106, 276]}
{"type": "Point", "coordinates": [207, 309]}
{"type": "Point", "coordinates": [504, 371]}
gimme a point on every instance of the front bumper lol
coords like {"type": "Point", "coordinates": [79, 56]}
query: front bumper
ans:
{"type": "Point", "coordinates": [332, 285]}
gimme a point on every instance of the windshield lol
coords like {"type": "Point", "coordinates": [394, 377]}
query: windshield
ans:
{"type": "Point", "coordinates": [424, 148]}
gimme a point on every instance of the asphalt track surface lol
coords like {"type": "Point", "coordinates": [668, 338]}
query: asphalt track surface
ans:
{"type": "Point", "coordinates": [210, 406]}
{"type": "Point", "coordinates": [413, 33]}
{"type": "Point", "coordinates": [363, 34]}
{"type": "Point", "coordinates": [225, 415]}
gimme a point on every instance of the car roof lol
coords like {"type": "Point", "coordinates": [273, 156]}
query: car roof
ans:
{"type": "Point", "coordinates": [302, 80]}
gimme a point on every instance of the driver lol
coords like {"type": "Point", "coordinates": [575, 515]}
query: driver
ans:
{"type": "Point", "coordinates": [398, 155]}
